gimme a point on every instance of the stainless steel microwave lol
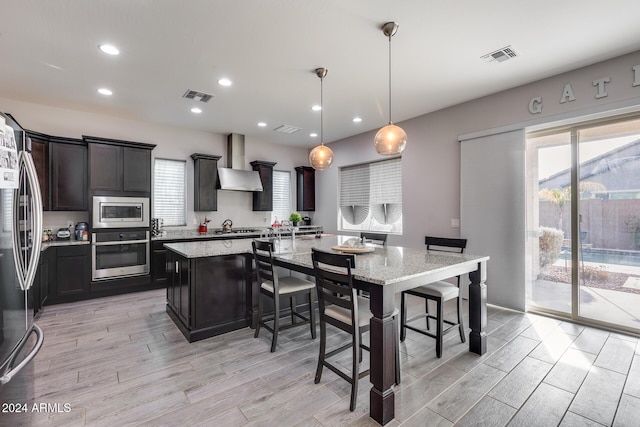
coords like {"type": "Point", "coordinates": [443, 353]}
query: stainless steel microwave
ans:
{"type": "Point", "coordinates": [120, 212]}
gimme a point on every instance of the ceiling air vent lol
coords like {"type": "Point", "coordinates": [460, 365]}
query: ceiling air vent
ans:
{"type": "Point", "coordinates": [287, 129]}
{"type": "Point", "coordinates": [198, 96]}
{"type": "Point", "coordinates": [500, 55]}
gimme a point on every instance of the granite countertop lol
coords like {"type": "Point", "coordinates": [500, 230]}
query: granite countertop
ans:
{"type": "Point", "coordinates": [383, 266]}
{"type": "Point", "coordinates": [216, 233]}
{"type": "Point", "coordinates": [70, 242]}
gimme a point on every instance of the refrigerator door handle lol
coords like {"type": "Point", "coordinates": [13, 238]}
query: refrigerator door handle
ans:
{"type": "Point", "coordinates": [28, 358]}
{"type": "Point", "coordinates": [27, 273]}
{"type": "Point", "coordinates": [32, 175]}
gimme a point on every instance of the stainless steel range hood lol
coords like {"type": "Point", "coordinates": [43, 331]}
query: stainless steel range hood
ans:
{"type": "Point", "coordinates": [234, 176]}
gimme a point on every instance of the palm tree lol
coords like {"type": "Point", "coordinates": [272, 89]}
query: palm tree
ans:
{"type": "Point", "coordinates": [558, 197]}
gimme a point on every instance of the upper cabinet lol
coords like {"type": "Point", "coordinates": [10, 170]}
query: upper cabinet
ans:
{"type": "Point", "coordinates": [40, 155]}
{"type": "Point", "coordinates": [305, 188]}
{"type": "Point", "coordinates": [61, 165]}
{"type": "Point", "coordinates": [205, 170]}
{"type": "Point", "coordinates": [263, 200]}
{"type": "Point", "coordinates": [68, 186]}
{"type": "Point", "coordinates": [117, 167]}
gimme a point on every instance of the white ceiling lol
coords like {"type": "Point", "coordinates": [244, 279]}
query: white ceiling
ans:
{"type": "Point", "coordinates": [269, 49]}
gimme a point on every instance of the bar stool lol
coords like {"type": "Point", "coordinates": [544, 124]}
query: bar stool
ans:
{"type": "Point", "coordinates": [340, 306]}
{"type": "Point", "coordinates": [440, 292]}
{"type": "Point", "coordinates": [274, 287]}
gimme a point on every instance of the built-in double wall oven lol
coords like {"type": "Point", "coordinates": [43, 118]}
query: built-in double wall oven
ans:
{"type": "Point", "coordinates": [120, 243]}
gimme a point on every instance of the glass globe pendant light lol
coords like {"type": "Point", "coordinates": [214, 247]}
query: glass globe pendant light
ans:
{"type": "Point", "coordinates": [391, 139]}
{"type": "Point", "coordinates": [321, 157]}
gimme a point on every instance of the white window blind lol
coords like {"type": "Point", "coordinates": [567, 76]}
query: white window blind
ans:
{"type": "Point", "coordinates": [169, 191]}
{"type": "Point", "coordinates": [371, 196]}
{"type": "Point", "coordinates": [281, 195]}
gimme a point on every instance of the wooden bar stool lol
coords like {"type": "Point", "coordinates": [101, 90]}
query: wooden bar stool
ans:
{"type": "Point", "coordinates": [440, 292]}
{"type": "Point", "coordinates": [340, 306]}
{"type": "Point", "coordinates": [274, 287]}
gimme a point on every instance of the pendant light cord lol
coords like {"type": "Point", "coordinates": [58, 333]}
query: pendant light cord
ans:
{"type": "Point", "coordinates": [390, 79]}
{"type": "Point", "coordinates": [321, 112]}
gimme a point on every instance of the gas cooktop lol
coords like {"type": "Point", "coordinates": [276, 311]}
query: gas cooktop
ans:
{"type": "Point", "coordinates": [239, 231]}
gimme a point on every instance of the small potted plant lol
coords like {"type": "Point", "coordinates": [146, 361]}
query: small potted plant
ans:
{"type": "Point", "coordinates": [295, 218]}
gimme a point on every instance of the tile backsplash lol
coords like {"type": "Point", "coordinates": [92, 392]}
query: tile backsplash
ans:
{"type": "Point", "coordinates": [54, 220]}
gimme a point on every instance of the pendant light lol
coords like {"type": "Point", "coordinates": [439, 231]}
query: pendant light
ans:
{"type": "Point", "coordinates": [321, 157]}
{"type": "Point", "coordinates": [391, 139]}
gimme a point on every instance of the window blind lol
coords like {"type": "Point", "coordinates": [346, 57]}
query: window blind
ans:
{"type": "Point", "coordinates": [371, 196]}
{"type": "Point", "coordinates": [281, 195]}
{"type": "Point", "coordinates": [169, 191]}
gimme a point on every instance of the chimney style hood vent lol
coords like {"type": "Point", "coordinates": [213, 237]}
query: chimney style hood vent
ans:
{"type": "Point", "coordinates": [234, 176]}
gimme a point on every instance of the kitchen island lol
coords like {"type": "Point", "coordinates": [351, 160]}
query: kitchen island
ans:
{"type": "Point", "coordinates": [383, 273]}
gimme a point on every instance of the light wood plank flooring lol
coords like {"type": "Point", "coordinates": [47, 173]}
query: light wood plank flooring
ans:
{"type": "Point", "coordinates": [121, 361]}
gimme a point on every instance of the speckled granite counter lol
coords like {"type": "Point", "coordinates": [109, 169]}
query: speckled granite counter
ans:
{"type": "Point", "coordinates": [216, 233]}
{"type": "Point", "coordinates": [69, 242]}
{"type": "Point", "coordinates": [383, 266]}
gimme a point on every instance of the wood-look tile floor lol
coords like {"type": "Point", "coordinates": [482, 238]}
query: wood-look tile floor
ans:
{"type": "Point", "coordinates": [121, 361]}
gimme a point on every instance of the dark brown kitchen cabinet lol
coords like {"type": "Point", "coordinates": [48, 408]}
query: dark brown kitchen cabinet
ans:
{"type": "Point", "coordinates": [263, 200]}
{"type": "Point", "coordinates": [72, 273]}
{"type": "Point", "coordinates": [117, 167]}
{"type": "Point", "coordinates": [136, 169]}
{"type": "Point", "coordinates": [105, 163]}
{"type": "Point", "coordinates": [305, 188]}
{"type": "Point", "coordinates": [40, 289]}
{"type": "Point", "coordinates": [40, 155]}
{"type": "Point", "coordinates": [68, 186]}
{"type": "Point", "coordinates": [208, 296]}
{"type": "Point", "coordinates": [205, 170]}
{"type": "Point", "coordinates": [178, 279]}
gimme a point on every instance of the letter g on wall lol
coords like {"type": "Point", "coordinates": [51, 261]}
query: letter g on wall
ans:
{"type": "Point", "coordinates": [535, 105]}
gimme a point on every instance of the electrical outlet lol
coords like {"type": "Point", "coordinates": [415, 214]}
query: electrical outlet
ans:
{"type": "Point", "coordinates": [455, 223]}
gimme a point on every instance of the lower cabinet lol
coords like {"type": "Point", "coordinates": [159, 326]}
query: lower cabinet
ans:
{"type": "Point", "coordinates": [40, 286]}
{"type": "Point", "coordinates": [71, 273]}
{"type": "Point", "coordinates": [208, 296]}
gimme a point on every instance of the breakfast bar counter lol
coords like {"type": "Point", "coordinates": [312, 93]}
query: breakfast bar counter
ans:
{"type": "Point", "coordinates": [223, 269]}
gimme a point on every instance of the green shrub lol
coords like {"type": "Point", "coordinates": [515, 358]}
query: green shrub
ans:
{"type": "Point", "coordinates": [550, 245]}
{"type": "Point", "coordinates": [295, 217]}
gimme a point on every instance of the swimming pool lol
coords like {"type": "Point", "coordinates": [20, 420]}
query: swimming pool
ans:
{"type": "Point", "coordinates": [605, 256]}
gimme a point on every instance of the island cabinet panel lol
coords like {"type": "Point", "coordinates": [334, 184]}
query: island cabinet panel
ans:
{"type": "Point", "coordinates": [208, 296]}
{"type": "Point", "coordinates": [220, 293]}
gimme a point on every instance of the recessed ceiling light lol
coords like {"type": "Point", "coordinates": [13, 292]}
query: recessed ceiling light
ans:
{"type": "Point", "coordinates": [313, 135]}
{"type": "Point", "coordinates": [316, 108]}
{"type": "Point", "coordinates": [109, 49]}
{"type": "Point", "coordinates": [262, 124]}
{"type": "Point", "coordinates": [105, 91]}
{"type": "Point", "coordinates": [196, 110]}
{"type": "Point", "coordinates": [224, 82]}
{"type": "Point", "coordinates": [357, 120]}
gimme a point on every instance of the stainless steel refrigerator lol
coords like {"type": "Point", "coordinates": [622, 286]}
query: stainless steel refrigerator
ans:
{"type": "Point", "coordinates": [20, 244]}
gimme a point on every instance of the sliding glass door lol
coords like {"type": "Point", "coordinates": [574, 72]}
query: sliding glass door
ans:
{"type": "Point", "coordinates": [583, 222]}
